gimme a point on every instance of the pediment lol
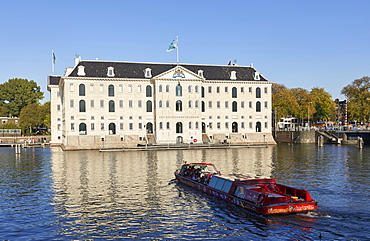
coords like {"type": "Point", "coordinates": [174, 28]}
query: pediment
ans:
{"type": "Point", "coordinates": [178, 73]}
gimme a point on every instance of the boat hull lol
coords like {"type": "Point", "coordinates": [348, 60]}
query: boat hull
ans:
{"type": "Point", "coordinates": [275, 209]}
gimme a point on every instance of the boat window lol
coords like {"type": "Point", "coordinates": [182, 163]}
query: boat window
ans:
{"type": "Point", "coordinates": [219, 184]}
{"type": "Point", "coordinates": [213, 182]}
{"type": "Point", "coordinates": [226, 187]}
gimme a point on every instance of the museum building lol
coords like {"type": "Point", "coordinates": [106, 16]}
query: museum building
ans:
{"type": "Point", "coordinates": [106, 104]}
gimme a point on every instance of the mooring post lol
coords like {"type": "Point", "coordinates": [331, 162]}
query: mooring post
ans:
{"type": "Point", "coordinates": [360, 142]}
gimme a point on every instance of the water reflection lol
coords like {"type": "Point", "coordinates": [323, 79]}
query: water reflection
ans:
{"type": "Point", "coordinates": [51, 194]}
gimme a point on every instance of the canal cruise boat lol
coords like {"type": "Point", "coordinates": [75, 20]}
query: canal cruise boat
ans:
{"type": "Point", "coordinates": [254, 193]}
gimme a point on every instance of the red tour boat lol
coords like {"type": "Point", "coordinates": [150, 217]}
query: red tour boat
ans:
{"type": "Point", "coordinates": [258, 194]}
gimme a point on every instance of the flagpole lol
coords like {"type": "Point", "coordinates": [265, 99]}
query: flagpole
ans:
{"type": "Point", "coordinates": [52, 61]}
{"type": "Point", "coordinates": [177, 50]}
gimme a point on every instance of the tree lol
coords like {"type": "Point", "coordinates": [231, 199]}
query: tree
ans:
{"type": "Point", "coordinates": [306, 103]}
{"type": "Point", "coordinates": [358, 95]}
{"type": "Point", "coordinates": [17, 93]}
{"type": "Point", "coordinates": [283, 100]}
{"type": "Point", "coordinates": [30, 116]}
{"type": "Point", "coordinates": [324, 105]}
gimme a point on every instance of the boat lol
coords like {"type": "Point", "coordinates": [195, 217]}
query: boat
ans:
{"type": "Point", "coordinates": [258, 194]}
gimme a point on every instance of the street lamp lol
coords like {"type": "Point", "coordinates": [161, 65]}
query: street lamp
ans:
{"type": "Point", "coordinates": [308, 115]}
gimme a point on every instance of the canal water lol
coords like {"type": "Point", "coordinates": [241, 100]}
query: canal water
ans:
{"type": "Point", "coordinates": [48, 194]}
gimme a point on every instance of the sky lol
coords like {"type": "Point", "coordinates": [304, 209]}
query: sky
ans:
{"type": "Point", "coordinates": [306, 44]}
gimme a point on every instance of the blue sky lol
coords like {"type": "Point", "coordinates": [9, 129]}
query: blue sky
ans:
{"type": "Point", "coordinates": [304, 44]}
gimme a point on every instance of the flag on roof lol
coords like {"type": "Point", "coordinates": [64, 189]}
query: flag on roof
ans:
{"type": "Point", "coordinates": [54, 58]}
{"type": "Point", "coordinates": [173, 44]}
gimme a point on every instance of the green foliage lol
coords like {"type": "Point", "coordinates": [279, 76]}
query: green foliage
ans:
{"type": "Point", "coordinates": [324, 105]}
{"type": "Point", "coordinates": [283, 101]}
{"type": "Point", "coordinates": [15, 94]}
{"type": "Point", "coordinates": [358, 95]}
{"type": "Point", "coordinates": [35, 115]}
{"type": "Point", "coordinates": [9, 125]}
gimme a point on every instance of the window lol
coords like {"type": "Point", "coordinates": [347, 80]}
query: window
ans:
{"type": "Point", "coordinates": [167, 104]}
{"type": "Point", "coordinates": [148, 73]}
{"type": "Point", "coordinates": [101, 87]}
{"type": "Point", "coordinates": [235, 106]}
{"type": "Point", "coordinates": [266, 125]}
{"type": "Point", "coordinates": [209, 89]}
{"type": "Point", "coordinates": [71, 103]}
{"type": "Point", "coordinates": [167, 88]}
{"type": "Point", "coordinates": [250, 104]}
{"type": "Point", "coordinates": [242, 89]}
{"type": "Point", "coordinates": [92, 103]}
{"type": "Point", "coordinates": [121, 126]}
{"type": "Point", "coordinates": [168, 125]}
{"type": "Point", "coordinates": [196, 89]}
{"type": "Point", "coordinates": [227, 125]}
{"type": "Point", "coordinates": [250, 125]}
{"type": "Point", "coordinates": [101, 103]}
{"type": "Point", "coordinates": [139, 89]}
{"type": "Point", "coordinates": [266, 104]}
{"type": "Point", "coordinates": [139, 104]}
{"type": "Point", "coordinates": [190, 104]}
{"type": "Point", "coordinates": [92, 118]}
{"type": "Point", "coordinates": [71, 87]}
{"type": "Point", "coordinates": [210, 125]}
{"type": "Point", "coordinates": [120, 103]}
{"type": "Point", "coordinates": [160, 104]}
{"type": "Point", "coordinates": [81, 90]}
{"type": "Point", "coordinates": [202, 90]}
{"type": "Point", "coordinates": [58, 107]}
{"type": "Point", "coordinates": [178, 105]}
{"type": "Point", "coordinates": [203, 106]}
{"type": "Point", "coordinates": [190, 125]}
{"type": "Point", "coordinates": [218, 125]}
{"type": "Point", "coordinates": [120, 88]}
{"type": "Point", "coordinates": [200, 73]}
{"type": "Point", "coordinates": [72, 126]}
{"type": "Point", "coordinates": [196, 125]}
{"type": "Point", "coordinates": [234, 92]}
{"type": "Point", "coordinates": [218, 104]}
{"type": "Point", "coordinates": [226, 90]}
{"type": "Point", "coordinates": [110, 72]}
{"type": "Point", "coordinates": [160, 88]}
{"type": "Point", "coordinates": [111, 90]}
{"type": "Point", "coordinates": [242, 125]}
{"type": "Point", "coordinates": [189, 89]}
{"type": "Point", "coordinates": [148, 91]}
{"type": "Point", "coordinates": [258, 92]}
{"type": "Point", "coordinates": [102, 126]}
{"type": "Point", "coordinates": [258, 106]}
{"type": "Point", "coordinates": [210, 104]}
{"type": "Point", "coordinates": [196, 105]}
{"type": "Point", "coordinates": [242, 104]}
{"type": "Point", "coordinates": [149, 107]}
{"type": "Point", "coordinates": [129, 88]}
{"type": "Point", "coordinates": [140, 126]}
{"type": "Point", "coordinates": [160, 125]}
{"type": "Point", "coordinates": [178, 127]}
{"type": "Point", "coordinates": [92, 126]}
{"type": "Point", "coordinates": [218, 89]}
{"type": "Point", "coordinates": [178, 90]}
{"type": "Point", "coordinates": [130, 104]}
{"type": "Point", "coordinates": [111, 106]}
{"type": "Point", "coordinates": [226, 104]}
{"type": "Point", "coordinates": [82, 129]}
{"type": "Point", "coordinates": [233, 75]}
{"type": "Point", "coordinates": [131, 126]}
{"type": "Point", "coordinates": [82, 106]}
{"type": "Point", "coordinates": [265, 90]}
{"type": "Point", "coordinates": [250, 89]}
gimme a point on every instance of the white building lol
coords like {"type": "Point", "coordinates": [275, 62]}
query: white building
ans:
{"type": "Point", "coordinates": [104, 104]}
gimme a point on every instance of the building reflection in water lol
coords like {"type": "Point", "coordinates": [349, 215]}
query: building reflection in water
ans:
{"type": "Point", "coordinates": [129, 190]}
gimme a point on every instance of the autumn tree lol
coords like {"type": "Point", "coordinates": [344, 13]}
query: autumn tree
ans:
{"type": "Point", "coordinates": [324, 105]}
{"type": "Point", "coordinates": [15, 94]}
{"type": "Point", "coordinates": [306, 103]}
{"type": "Point", "coordinates": [358, 95]}
{"type": "Point", "coordinates": [283, 101]}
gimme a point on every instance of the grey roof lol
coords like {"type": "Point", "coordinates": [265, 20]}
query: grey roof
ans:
{"type": "Point", "coordinates": [135, 70]}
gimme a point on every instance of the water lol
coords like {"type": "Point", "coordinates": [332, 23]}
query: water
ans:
{"type": "Point", "coordinates": [48, 194]}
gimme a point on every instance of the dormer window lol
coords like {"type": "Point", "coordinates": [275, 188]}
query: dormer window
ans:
{"type": "Point", "coordinates": [233, 75]}
{"type": "Point", "coordinates": [81, 70]}
{"type": "Point", "coordinates": [257, 75]}
{"type": "Point", "coordinates": [110, 72]}
{"type": "Point", "coordinates": [200, 73]}
{"type": "Point", "coordinates": [148, 73]}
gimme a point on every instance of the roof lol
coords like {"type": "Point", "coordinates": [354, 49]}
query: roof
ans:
{"type": "Point", "coordinates": [135, 70]}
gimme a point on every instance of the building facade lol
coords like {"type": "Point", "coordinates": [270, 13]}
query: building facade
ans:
{"type": "Point", "coordinates": [104, 104]}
